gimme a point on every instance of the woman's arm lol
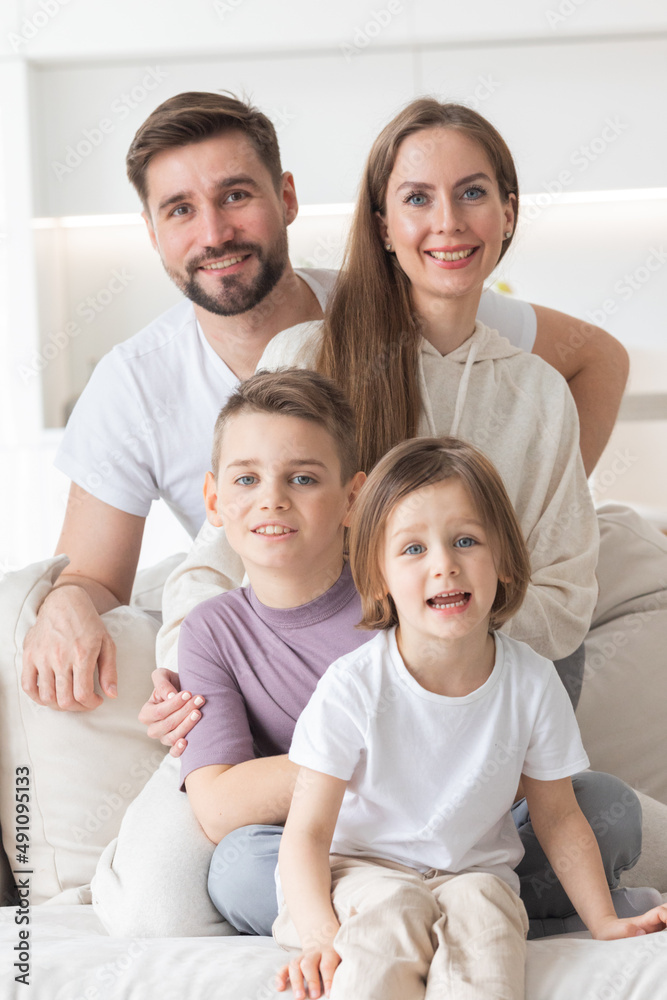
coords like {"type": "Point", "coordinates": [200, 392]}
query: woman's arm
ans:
{"type": "Point", "coordinates": [305, 877]}
{"type": "Point", "coordinates": [595, 366]}
{"type": "Point", "coordinates": [571, 847]}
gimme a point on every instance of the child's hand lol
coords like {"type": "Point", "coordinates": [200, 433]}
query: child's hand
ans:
{"type": "Point", "coordinates": [648, 923]}
{"type": "Point", "coordinates": [316, 967]}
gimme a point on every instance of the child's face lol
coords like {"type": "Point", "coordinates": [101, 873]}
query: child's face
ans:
{"type": "Point", "coordinates": [279, 493]}
{"type": "Point", "coordinates": [438, 565]}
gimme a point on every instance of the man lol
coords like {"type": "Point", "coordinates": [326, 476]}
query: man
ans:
{"type": "Point", "coordinates": [217, 205]}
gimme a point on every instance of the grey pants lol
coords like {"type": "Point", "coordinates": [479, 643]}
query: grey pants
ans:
{"type": "Point", "coordinates": [241, 878]}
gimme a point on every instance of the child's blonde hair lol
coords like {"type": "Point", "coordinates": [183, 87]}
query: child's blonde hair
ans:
{"type": "Point", "coordinates": [409, 467]}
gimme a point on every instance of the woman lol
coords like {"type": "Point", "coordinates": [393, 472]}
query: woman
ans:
{"type": "Point", "coordinates": [436, 212]}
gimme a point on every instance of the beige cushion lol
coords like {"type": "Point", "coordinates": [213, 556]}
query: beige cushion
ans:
{"type": "Point", "coordinates": [651, 869]}
{"type": "Point", "coordinates": [632, 564]}
{"type": "Point", "coordinates": [85, 767]}
{"type": "Point", "coordinates": [623, 707]}
{"type": "Point", "coordinates": [151, 881]}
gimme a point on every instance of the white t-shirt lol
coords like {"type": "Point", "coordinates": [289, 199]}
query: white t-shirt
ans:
{"type": "Point", "coordinates": [431, 778]}
{"type": "Point", "coordinates": [143, 426]}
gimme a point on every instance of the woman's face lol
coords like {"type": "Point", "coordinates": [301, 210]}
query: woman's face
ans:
{"type": "Point", "coordinates": [444, 216]}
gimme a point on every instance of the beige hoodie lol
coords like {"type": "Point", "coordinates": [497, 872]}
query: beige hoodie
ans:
{"type": "Point", "coordinates": [516, 409]}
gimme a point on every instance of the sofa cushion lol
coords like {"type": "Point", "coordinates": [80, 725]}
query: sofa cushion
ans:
{"type": "Point", "coordinates": [84, 768]}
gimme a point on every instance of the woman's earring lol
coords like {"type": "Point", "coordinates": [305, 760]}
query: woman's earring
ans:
{"type": "Point", "coordinates": [508, 234]}
{"type": "Point", "coordinates": [388, 246]}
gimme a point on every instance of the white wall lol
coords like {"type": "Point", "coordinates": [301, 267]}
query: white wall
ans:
{"type": "Point", "coordinates": [550, 74]}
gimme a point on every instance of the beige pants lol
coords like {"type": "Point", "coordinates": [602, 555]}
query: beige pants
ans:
{"type": "Point", "coordinates": [407, 936]}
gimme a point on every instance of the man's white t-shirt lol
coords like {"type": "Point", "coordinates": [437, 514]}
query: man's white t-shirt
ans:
{"type": "Point", "coordinates": [432, 778]}
{"type": "Point", "coordinates": [143, 426]}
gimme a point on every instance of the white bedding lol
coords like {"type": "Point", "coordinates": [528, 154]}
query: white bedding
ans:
{"type": "Point", "coordinates": [74, 959]}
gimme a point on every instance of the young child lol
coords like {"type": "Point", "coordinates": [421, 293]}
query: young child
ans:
{"type": "Point", "coordinates": [411, 750]}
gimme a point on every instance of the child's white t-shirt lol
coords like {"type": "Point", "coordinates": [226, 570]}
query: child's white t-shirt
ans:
{"type": "Point", "coordinates": [432, 778]}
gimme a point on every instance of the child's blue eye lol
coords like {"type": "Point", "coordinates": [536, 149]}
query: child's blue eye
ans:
{"type": "Point", "coordinates": [303, 480]}
{"type": "Point", "coordinates": [246, 480]}
{"type": "Point", "coordinates": [415, 549]}
{"type": "Point", "coordinates": [465, 543]}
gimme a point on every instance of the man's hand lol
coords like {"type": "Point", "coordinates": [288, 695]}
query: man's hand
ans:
{"type": "Point", "coordinates": [170, 713]}
{"type": "Point", "coordinates": [63, 648]}
{"type": "Point", "coordinates": [317, 967]}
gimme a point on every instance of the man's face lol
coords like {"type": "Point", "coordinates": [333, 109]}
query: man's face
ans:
{"type": "Point", "coordinates": [219, 225]}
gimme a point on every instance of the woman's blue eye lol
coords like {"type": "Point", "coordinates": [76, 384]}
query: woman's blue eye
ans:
{"type": "Point", "coordinates": [415, 549]}
{"type": "Point", "coordinates": [465, 543]}
{"type": "Point", "coordinates": [477, 192]}
{"type": "Point", "coordinates": [303, 480]}
{"type": "Point", "coordinates": [245, 480]}
{"type": "Point", "coordinates": [415, 195]}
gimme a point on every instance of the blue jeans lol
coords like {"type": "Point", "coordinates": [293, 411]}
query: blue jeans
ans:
{"type": "Point", "coordinates": [241, 878]}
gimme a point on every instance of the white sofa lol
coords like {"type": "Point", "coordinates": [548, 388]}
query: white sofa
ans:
{"type": "Point", "coordinates": [86, 769]}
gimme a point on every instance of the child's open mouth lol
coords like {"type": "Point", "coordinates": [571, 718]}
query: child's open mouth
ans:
{"type": "Point", "coordinates": [452, 599]}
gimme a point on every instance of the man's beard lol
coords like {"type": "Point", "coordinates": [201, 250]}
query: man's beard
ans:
{"type": "Point", "coordinates": [235, 297]}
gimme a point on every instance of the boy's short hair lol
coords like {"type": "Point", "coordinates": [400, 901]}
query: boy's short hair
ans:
{"type": "Point", "coordinates": [193, 117]}
{"type": "Point", "coordinates": [411, 466]}
{"type": "Point", "coordinates": [294, 392]}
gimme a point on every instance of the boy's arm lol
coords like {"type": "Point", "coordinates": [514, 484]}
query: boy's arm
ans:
{"type": "Point", "coordinates": [211, 567]}
{"type": "Point", "coordinates": [571, 847]}
{"type": "Point", "coordinates": [305, 877]}
{"type": "Point", "coordinates": [595, 366]}
{"type": "Point", "coordinates": [225, 797]}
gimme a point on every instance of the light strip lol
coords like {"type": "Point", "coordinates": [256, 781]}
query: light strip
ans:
{"type": "Point", "coordinates": [595, 197]}
{"type": "Point", "coordinates": [346, 208]}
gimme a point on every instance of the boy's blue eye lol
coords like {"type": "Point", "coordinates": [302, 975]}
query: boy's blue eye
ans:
{"type": "Point", "coordinates": [465, 543]}
{"type": "Point", "coordinates": [245, 480]}
{"type": "Point", "coordinates": [303, 480]}
{"type": "Point", "coordinates": [415, 549]}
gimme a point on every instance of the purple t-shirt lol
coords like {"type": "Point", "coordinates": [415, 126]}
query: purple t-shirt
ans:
{"type": "Point", "coordinates": [258, 666]}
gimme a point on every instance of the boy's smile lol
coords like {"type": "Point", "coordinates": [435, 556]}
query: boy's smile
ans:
{"type": "Point", "coordinates": [280, 498]}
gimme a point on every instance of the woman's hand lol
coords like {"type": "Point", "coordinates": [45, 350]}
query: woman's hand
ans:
{"type": "Point", "coordinates": [170, 714]}
{"type": "Point", "coordinates": [316, 967]}
{"type": "Point", "coordinates": [648, 923]}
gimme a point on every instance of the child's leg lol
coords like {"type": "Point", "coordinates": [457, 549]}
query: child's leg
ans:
{"type": "Point", "coordinates": [241, 878]}
{"type": "Point", "coordinates": [481, 940]}
{"type": "Point", "coordinates": [385, 940]}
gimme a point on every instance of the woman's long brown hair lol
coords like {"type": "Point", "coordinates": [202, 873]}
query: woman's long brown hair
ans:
{"type": "Point", "coordinates": [371, 337]}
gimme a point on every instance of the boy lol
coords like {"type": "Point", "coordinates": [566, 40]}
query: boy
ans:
{"type": "Point", "coordinates": [283, 480]}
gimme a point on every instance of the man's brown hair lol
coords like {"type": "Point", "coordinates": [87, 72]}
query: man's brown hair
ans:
{"type": "Point", "coordinates": [294, 392]}
{"type": "Point", "coordinates": [195, 116]}
{"type": "Point", "coordinates": [409, 467]}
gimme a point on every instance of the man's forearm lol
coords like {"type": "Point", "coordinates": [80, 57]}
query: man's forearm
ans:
{"type": "Point", "coordinates": [256, 791]}
{"type": "Point", "coordinates": [101, 597]}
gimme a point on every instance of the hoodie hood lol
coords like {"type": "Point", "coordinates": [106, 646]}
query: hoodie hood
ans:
{"type": "Point", "coordinates": [487, 344]}
{"type": "Point", "coordinates": [484, 345]}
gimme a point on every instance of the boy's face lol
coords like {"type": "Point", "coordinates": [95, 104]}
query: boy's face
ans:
{"type": "Point", "coordinates": [279, 493]}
